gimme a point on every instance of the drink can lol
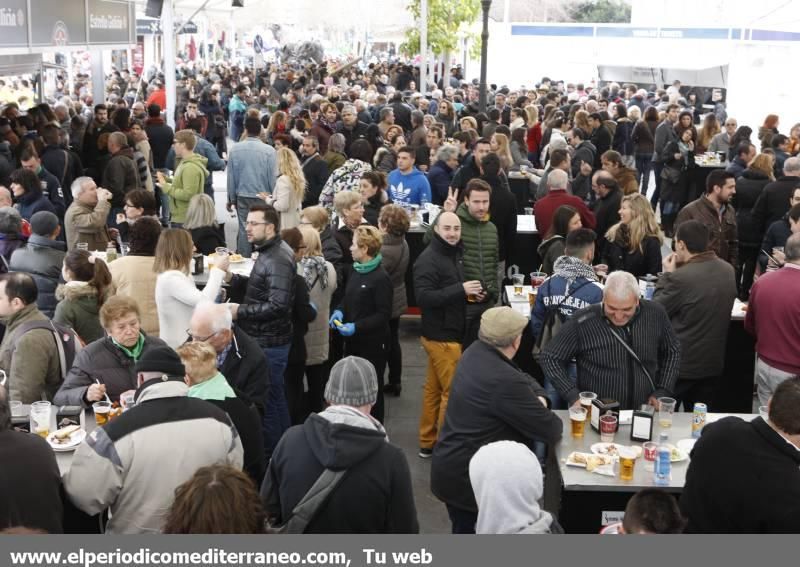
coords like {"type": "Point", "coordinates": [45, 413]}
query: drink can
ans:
{"type": "Point", "coordinates": [699, 418]}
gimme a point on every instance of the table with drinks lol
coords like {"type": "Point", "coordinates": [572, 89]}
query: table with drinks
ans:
{"type": "Point", "coordinates": [584, 501]}
{"type": "Point", "coordinates": [733, 391]}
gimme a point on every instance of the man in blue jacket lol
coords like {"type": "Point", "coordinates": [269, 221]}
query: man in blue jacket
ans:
{"type": "Point", "coordinates": [407, 184]}
{"type": "Point", "coordinates": [573, 286]}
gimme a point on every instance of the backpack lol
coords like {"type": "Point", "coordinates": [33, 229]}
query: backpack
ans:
{"type": "Point", "coordinates": [65, 338]}
{"type": "Point", "coordinates": [310, 504]}
{"type": "Point", "coordinates": [552, 324]}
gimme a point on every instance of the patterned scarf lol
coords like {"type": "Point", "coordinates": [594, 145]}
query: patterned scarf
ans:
{"type": "Point", "coordinates": [314, 269]}
{"type": "Point", "coordinates": [572, 268]}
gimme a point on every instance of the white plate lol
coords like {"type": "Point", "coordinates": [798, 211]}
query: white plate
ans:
{"type": "Point", "coordinates": [686, 445]}
{"type": "Point", "coordinates": [74, 440]}
{"type": "Point", "coordinates": [603, 448]}
{"type": "Point", "coordinates": [571, 463]}
{"type": "Point", "coordinates": [682, 455]}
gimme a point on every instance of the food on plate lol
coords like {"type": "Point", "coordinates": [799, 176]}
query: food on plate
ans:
{"type": "Point", "coordinates": [62, 436]}
{"type": "Point", "coordinates": [610, 450]}
{"type": "Point", "coordinates": [676, 454]}
{"type": "Point", "coordinates": [589, 460]}
{"type": "Point", "coordinates": [236, 258]}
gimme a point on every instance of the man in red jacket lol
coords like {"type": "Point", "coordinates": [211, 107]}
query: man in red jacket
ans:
{"type": "Point", "coordinates": [773, 318]}
{"type": "Point", "coordinates": [546, 207]}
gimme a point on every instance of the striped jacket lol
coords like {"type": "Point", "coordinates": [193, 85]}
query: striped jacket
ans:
{"type": "Point", "coordinates": [605, 366]}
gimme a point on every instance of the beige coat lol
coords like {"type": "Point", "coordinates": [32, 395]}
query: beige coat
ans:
{"type": "Point", "coordinates": [317, 334]}
{"type": "Point", "coordinates": [83, 223]}
{"type": "Point", "coordinates": [287, 205]}
{"type": "Point", "coordinates": [134, 276]}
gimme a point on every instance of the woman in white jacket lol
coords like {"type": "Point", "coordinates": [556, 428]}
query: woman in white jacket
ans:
{"type": "Point", "coordinates": [176, 293]}
{"type": "Point", "coordinates": [320, 277]}
{"type": "Point", "coordinates": [290, 188]}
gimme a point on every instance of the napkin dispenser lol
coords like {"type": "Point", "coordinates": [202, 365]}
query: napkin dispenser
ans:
{"type": "Point", "coordinates": [642, 423]}
{"type": "Point", "coordinates": [602, 407]}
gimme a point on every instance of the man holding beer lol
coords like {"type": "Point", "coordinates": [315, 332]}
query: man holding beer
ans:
{"type": "Point", "coordinates": [491, 399]}
{"type": "Point", "coordinates": [624, 349]}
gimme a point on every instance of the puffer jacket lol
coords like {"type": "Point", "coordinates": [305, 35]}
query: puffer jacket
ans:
{"type": "Point", "coordinates": [42, 258]}
{"type": "Point", "coordinates": [9, 243]}
{"type": "Point", "coordinates": [32, 202]}
{"type": "Point", "coordinates": [439, 289]}
{"type": "Point", "coordinates": [78, 308]}
{"type": "Point", "coordinates": [265, 313]}
{"type": "Point", "coordinates": [623, 140]}
{"type": "Point", "coordinates": [189, 180]}
{"type": "Point", "coordinates": [395, 257]}
{"type": "Point", "coordinates": [317, 335]}
{"type": "Point", "coordinates": [134, 464]}
{"type": "Point", "coordinates": [101, 360]}
{"type": "Point", "coordinates": [481, 252]}
{"type": "Point", "coordinates": [748, 188]}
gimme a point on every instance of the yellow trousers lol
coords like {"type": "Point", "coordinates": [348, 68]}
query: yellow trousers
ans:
{"type": "Point", "coordinates": [442, 360]}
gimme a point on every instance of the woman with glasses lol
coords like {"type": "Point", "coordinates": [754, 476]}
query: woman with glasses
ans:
{"type": "Point", "coordinates": [138, 203]}
{"type": "Point", "coordinates": [176, 293]}
{"type": "Point", "coordinates": [105, 367]}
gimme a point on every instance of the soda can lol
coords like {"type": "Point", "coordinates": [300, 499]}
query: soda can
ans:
{"type": "Point", "coordinates": [699, 418]}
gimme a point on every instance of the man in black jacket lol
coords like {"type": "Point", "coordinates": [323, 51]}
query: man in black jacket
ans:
{"type": "Point", "coordinates": [239, 357]}
{"type": "Point", "coordinates": [315, 169]}
{"type": "Point", "coordinates": [95, 150]}
{"type": "Point", "coordinates": [375, 495]}
{"type": "Point", "coordinates": [472, 167]}
{"type": "Point", "coordinates": [600, 138]}
{"type": "Point", "coordinates": [42, 257]}
{"type": "Point", "coordinates": [266, 314]}
{"type": "Point", "coordinates": [582, 163]}
{"type": "Point", "coordinates": [606, 207]}
{"type": "Point", "coordinates": [30, 160]}
{"type": "Point", "coordinates": [62, 162]}
{"type": "Point", "coordinates": [442, 294]}
{"type": "Point", "coordinates": [30, 492]}
{"type": "Point", "coordinates": [491, 399]}
{"type": "Point", "coordinates": [775, 199]}
{"type": "Point", "coordinates": [351, 127]}
{"type": "Point", "coordinates": [745, 477]}
{"type": "Point", "coordinates": [160, 135]}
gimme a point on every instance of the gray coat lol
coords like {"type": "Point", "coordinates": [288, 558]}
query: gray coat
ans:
{"type": "Point", "coordinates": [395, 261]}
{"type": "Point", "coordinates": [698, 298]}
{"type": "Point", "coordinates": [665, 133]}
{"type": "Point", "coordinates": [42, 258]}
{"type": "Point", "coordinates": [103, 361]}
{"type": "Point", "coordinates": [317, 335]}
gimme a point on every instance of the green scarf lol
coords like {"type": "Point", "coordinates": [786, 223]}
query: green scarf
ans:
{"type": "Point", "coordinates": [134, 352]}
{"type": "Point", "coordinates": [216, 388]}
{"type": "Point", "coordinates": [368, 266]}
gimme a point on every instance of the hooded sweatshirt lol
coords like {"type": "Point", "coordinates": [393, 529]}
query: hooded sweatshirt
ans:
{"type": "Point", "coordinates": [189, 180]}
{"type": "Point", "coordinates": [375, 494]}
{"type": "Point", "coordinates": [409, 189]}
{"type": "Point", "coordinates": [507, 480]}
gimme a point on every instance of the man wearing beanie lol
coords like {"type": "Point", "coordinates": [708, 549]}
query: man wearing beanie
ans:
{"type": "Point", "coordinates": [134, 463]}
{"type": "Point", "coordinates": [374, 495]}
{"type": "Point", "coordinates": [42, 257]}
{"type": "Point", "coordinates": [491, 399]}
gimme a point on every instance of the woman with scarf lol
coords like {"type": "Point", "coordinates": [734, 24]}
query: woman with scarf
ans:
{"type": "Point", "coordinates": [678, 158]}
{"type": "Point", "coordinates": [634, 243]}
{"type": "Point", "coordinates": [105, 367]}
{"type": "Point", "coordinates": [207, 383]}
{"type": "Point", "coordinates": [89, 284]}
{"type": "Point", "coordinates": [320, 277]}
{"type": "Point", "coordinates": [363, 314]}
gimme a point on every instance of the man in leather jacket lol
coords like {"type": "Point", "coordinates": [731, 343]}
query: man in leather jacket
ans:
{"type": "Point", "coordinates": [266, 313]}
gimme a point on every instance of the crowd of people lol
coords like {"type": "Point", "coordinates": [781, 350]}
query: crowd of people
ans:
{"type": "Point", "coordinates": [326, 172]}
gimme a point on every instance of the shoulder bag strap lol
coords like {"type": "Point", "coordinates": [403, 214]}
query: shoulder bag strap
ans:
{"type": "Point", "coordinates": [635, 357]}
{"type": "Point", "coordinates": [313, 500]}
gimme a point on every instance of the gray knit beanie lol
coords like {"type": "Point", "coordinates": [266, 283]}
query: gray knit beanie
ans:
{"type": "Point", "coordinates": [352, 382]}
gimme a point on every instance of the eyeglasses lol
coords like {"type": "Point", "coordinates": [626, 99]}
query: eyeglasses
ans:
{"type": "Point", "coordinates": [200, 339]}
{"type": "Point", "coordinates": [255, 223]}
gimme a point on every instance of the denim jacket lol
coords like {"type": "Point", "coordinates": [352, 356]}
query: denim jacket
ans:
{"type": "Point", "coordinates": [252, 168]}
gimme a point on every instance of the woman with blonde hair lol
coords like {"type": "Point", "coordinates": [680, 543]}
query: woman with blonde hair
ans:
{"type": "Point", "coordinates": [634, 243]}
{"type": "Point", "coordinates": [201, 222]}
{"type": "Point", "coordinates": [749, 188]}
{"type": "Point", "coordinates": [710, 129]}
{"type": "Point", "coordinates": [276, 125]}
{"type": "Point", "coordinates": [320, 276]}
{"type": "Point", "coordinates": [582, 121]}
{"type": "Point", "coordinates": [290, 188]}
{"type": "Point", "coordinates": [176, 293]}
{"type": "Point", "coordinates": [468, 122]}
{"type": "Point", "coordinates": [500, 146]}
{"type": "Point", "coordinates": [533, 137]}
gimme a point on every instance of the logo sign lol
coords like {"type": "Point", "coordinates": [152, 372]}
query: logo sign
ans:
{"type": "Point", "coordinates": [13, 23]}
{"type": "Point", "coordinates": [60, 33]}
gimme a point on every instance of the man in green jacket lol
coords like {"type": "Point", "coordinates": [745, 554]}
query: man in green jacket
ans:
{"type": "Point", "coordinates": [30, 360]}
{"type": "Point", "coordinates": [189, 178]}
{"type": "Point", "coordinates": [481, 255]}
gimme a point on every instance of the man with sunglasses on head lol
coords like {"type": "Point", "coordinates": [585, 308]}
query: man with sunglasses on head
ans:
{"type": "Point", "coordinates": [239, 357]}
